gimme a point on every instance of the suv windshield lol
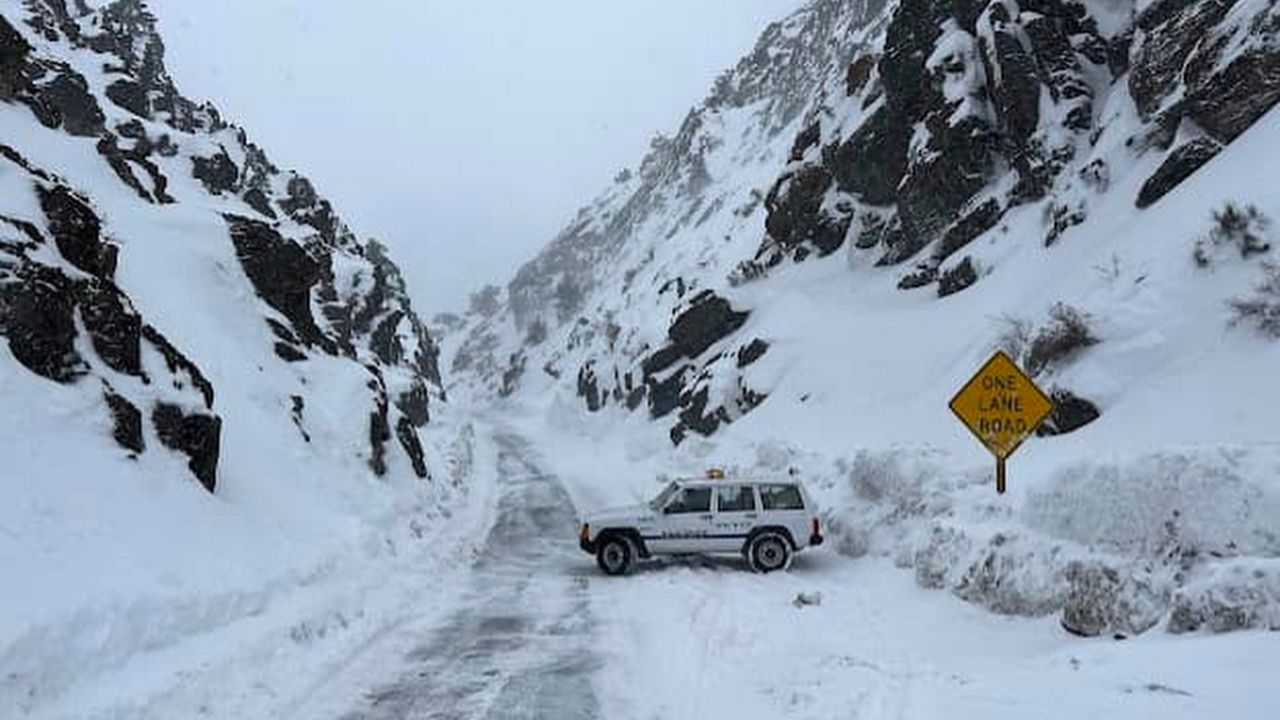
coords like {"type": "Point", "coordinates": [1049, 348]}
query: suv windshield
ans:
{"type": "Point", "coordinates": [696, 499]}
{"type": "Point", "coordinates": [663, 496]}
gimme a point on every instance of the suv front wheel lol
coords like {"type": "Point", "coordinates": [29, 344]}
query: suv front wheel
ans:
{"type": "Point", "coordinates": [769, 551]}
{"type": "Point", "coordinates": [615, 555]}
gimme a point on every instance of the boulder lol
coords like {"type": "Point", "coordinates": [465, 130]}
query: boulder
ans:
{"type": "Point", "coordinates": [1070, 413]}
{"type": "Point", "coordinates": [1177, 166]}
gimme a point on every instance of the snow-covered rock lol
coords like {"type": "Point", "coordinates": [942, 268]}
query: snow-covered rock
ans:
{"type": "Point", "coordinates": [875, 199]}
{"type": "Point", "coordinates": [214, 393]}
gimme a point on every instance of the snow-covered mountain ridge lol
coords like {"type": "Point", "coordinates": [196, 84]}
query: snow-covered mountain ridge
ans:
{"type": "Point", "coordinates": [99, 75]}
{"type": "Point", "coordinates": [213, 391]}
{"type": "Point", "coordinates": [903, 136]}
{"type": "Point", "coordinates": [804, 284]}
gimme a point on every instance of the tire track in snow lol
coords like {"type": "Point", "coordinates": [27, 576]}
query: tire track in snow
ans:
{"type": "Point", "coordinates": [520, 646]}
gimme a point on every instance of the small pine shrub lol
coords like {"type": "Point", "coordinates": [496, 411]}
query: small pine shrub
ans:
{"type": "Point", "coordinates": [1262, 310]}
{"type": "Point", "coordinates": [1243, 228]}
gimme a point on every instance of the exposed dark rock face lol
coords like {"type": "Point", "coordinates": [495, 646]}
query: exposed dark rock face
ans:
{"type": "Point", "coordinates": [936, 128]}
{"type": "Point", "coordinates": [1193, 59]}
{"type": "Point", "coordinates": [707, 319]}
{"type": "Point", "coordinates": [38, 319]}
{"type": "Point", "coordinates": [942, 127]}
{"type": "Point", "coordinates": [218, 173]}
{"type": "Point", "coordinates": [871, 163]}
{"type": "Point", "coordinates": [178, 363]}
{"type": "Point", "coordinates": [588, 389]}
{"type": "Point", "coordinates": [13, 55]}
{"type": "Point", "coordinates": [968, 228]}
{"type": "Point", "coordinates": [77, 231]}
{"type": "Point", "coordinates": [114, 328]}
{"type": "Point", "coordinates": [1178, 166]}
{"type": "Point", "coordinates": [957, 278]}
{"type": "Point", "coordinates": [257, 200]}
{"type": "Point", "coordinates": [795, 215]}
{"type": "Point", "coordinates": [408, 438]}
{"type": "Point", "coordinates": [677, 376]}
{"type": "Point", "coordinates": [379, 429]}
{"type": "Point", "coordinates": [415, 404]}
{"type": "Point", "coordinates": [924, 274]}
{"type": "Point", "coordinates": [363, 315]}
{"type": "Point", "coordinates": [1227, 103]}
{"type": "Point", "coordinates": [126, 422]}
{"type": "Point", "coordinates": [78, 110]}
{"type": "Point", "coordinates": [196, 435]}
{"type": "Point", "coordinates": [281, 271]}
{"type": "Point", "coordinates": [1170, 31]}
{"type": "Point", "coordinates": [752, 352]}
{"type": "Point", "coordinates": [664, 395]}
{"type": "Point", "coordinates": [1070, 413]}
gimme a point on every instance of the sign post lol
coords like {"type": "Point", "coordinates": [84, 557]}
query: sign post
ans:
{"type": "Point", "coordinates": [1001, 406]}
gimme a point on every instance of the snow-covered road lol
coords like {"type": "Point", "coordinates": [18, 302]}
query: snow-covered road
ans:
{"type": "Point", "coordinates": [495, 613]}
{"type": "Point", "coordinates": [520, 644]}
{"type": "Point", "coordinates": [540, 633]}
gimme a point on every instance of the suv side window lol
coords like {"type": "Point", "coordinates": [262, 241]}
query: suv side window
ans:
{"type": "Point", "coordinates": [781, 497]}
{"type": "Point", "coordinates": [735, 498]}
{"type": "Point", "coordinates": [690, 500]}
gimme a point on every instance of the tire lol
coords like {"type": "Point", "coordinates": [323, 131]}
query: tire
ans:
{"type": "Point", "coordinates": [769, 551]}
{"type": "Point", "coordinates": [615, 555]}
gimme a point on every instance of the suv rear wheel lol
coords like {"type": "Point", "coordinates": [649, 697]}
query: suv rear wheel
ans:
{"type": "Point", "coordinates": [615, 555]}
{"type": "Point", "coordinates": [769, 551]}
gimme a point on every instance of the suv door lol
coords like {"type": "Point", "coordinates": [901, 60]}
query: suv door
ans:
{"type": "Point", "coordinates": [736, 513]}
{"type": "Point", "coordinates": [784, 504]}
{"type": "Point", "coordinates": [684, 522]}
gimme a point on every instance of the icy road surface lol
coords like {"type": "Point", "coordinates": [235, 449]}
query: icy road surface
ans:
{"type": "Point", "coordinates": [520, 646]}
{"type": "Point", "coordinates": [542, 634]}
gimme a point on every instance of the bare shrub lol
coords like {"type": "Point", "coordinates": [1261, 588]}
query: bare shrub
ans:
{"type": "Point", "coordinates": [1066, 333]}
{"type": "Point", "coordinates": [1262, 310]}
{"type": "Point", "coordinates": [1243, 228]}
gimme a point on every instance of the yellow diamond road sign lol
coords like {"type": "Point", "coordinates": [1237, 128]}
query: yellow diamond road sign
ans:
{"type": "Point", "coordinates": [1001, 405]}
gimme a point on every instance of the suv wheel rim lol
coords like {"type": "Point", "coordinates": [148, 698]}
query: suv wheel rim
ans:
{"type": "Point", "coordinates": [613, 557]}
{"type": "Point", "coordinates": [770, 554]}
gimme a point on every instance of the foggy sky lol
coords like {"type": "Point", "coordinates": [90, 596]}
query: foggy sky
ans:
{"type": "Point", "coordinates": [463, 134]}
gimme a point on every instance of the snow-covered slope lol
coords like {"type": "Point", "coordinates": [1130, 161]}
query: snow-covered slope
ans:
{"type": "Point", "coordinates": [210, 386]}
{"type": "Point", "coordinates": [869, 205]}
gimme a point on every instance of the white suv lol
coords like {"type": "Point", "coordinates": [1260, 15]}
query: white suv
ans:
{"type": "Point", "coordinates": [765, 521]}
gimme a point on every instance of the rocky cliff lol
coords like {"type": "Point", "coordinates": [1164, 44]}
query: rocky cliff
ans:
{"type": "Point", "coordinates": [895, 136]}
{"type": "Point", "coordinates": [115, 184]}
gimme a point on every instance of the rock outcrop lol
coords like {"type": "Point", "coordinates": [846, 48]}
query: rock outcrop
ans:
{"type": "Point", "coordinates": [904, 138]}
{"type": "Point", "coordinates": [63, 310]}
